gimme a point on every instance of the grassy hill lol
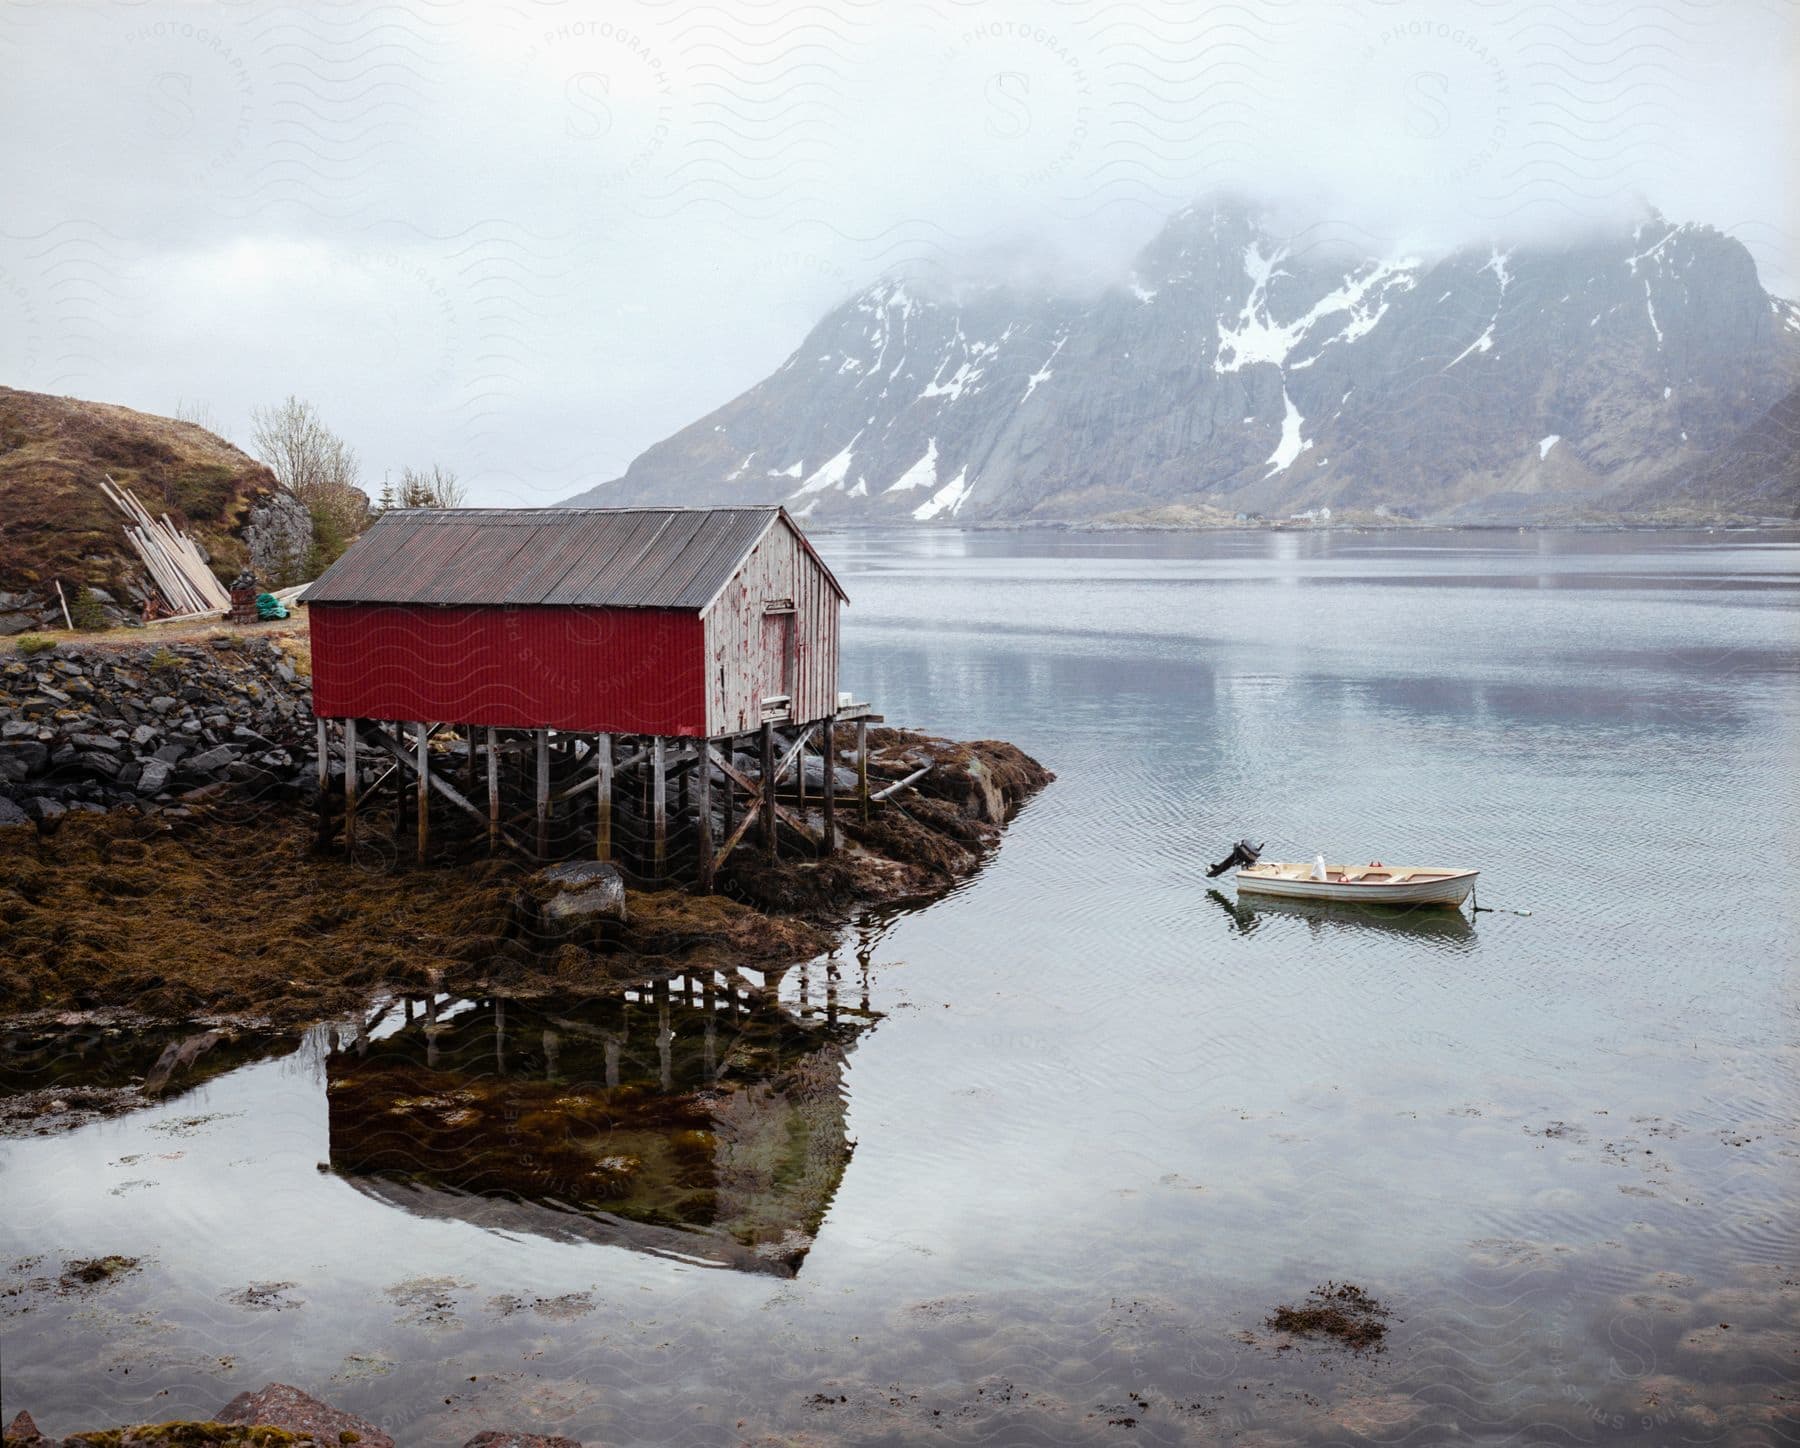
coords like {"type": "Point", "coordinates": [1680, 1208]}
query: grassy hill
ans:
{"type": "Point", "coordinates": [54, 521]}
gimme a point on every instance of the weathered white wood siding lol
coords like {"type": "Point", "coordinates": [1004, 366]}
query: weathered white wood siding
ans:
{"type": "Point", "coordinates": [742, 655]}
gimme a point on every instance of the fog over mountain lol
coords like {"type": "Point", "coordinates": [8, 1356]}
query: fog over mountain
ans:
{"type": "Point", "coordinates": [528, 241]}
{"type": "Point", "coordinates": [1245, 370]}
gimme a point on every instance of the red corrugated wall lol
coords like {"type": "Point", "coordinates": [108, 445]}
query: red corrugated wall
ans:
{"type": "Point", "coordinates": [623, 670]}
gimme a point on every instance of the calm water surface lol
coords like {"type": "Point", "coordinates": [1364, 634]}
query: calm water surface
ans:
{"type": "Point", "coordinates": [1040, 1158]}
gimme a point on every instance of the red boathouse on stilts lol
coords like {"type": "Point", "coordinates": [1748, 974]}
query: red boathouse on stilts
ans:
{"type": "Point", "coordinates": [628, 649]}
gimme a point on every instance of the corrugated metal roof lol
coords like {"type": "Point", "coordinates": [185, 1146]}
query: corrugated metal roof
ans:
{"type": "Point", "coordinates": [583, 557]}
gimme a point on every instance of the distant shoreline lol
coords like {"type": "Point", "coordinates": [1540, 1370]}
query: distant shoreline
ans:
{"type": "Point", "coordinates": [1390, 525]}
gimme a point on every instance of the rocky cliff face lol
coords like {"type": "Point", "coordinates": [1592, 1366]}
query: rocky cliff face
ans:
{"type": "Point", "coordinates": [1242, 371]}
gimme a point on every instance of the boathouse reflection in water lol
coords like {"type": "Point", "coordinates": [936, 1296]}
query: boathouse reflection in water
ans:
{"type": "Point", "coordinates": [696, 1116]}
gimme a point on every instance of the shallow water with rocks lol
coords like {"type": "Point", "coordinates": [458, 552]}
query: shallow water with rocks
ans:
{"type": "Point", "coordinates": [1037, 1162]}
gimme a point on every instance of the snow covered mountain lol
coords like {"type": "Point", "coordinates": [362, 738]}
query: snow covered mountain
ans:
{"type": "Point", "coordinates": [1243, 371]}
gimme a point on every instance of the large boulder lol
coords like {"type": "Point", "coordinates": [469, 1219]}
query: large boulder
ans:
{"type": "Point", "coordinates": [281, 1406]}
{"type": "Point", "coordinates": [578, 897]}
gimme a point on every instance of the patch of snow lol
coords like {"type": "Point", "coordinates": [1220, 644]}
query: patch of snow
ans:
{"type": "Point", "coordinates": [947, 499]}
{"type": "Point", "coordinates": [802, 512]}
{"type": "Point", "coordinates": [792, 471]}
{"type": "Point", "coordinates": [922, 474]}
{"type": "Point", "coordinates": [1666, 392]}
{"type": "Point", "coordinates": [1546, 443]}
{"type": "Point", "coordinates": [740, 469]}
{"type": "Point", "coordinates": [1291, 444]}
{"type": "Point", "coordinates": [1650, 307]}
{"type": "Point", "coordinates": [1483, 343]}
{"type": "Point", "coordinates": [830, 473]}
{"type": "Point", "coordinates": [1496, 263]}
{"type": "Point", "coordinates": [958, 383]}
{"type": "Point", "coordinates": [1631, 262]}
{"type": "Point", "coordinates": [1141, 292]}
{"type": "Point", "coordinates": [1043, 373]}
{"type": "Point", "coordinates": [1684, 437]}
{"type": "Point", "coordinates": [849, 364]}
{"type": "Point", "coordinates": [860, 490]}
{"type": "Point", "coordinates": [1257, 337]}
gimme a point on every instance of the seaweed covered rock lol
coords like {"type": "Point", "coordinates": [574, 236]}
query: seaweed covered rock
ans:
{"type": "Point", "coordinates": [577, 897]}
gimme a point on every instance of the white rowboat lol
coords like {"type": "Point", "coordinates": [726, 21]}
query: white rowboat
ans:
{"type": "Point", "coordinates": [1359, 884]}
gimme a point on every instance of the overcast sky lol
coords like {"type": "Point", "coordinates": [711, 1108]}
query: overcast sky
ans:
{"type": "Point", "coordinates": [527, 239]}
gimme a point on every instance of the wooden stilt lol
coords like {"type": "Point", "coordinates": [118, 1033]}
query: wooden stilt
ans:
{"type": "Point", "coordinates": [424, 787]}
{"type": "Point", "coordinates": [603, 789]}
{"type": "Point", "coordinates": [543, 794]}
{"type": "Point", "coordinates": [862, 769]}
{"type": "Point", "coordinates": [397, 741]}
{"type": "Point", "coordinates": [768, 790]}
{"type": "Point", "coordinates": [322, 752]}
{"type": "Point", "coordinates": [829, 756]}
{"type": "Point", "coordinates": [800, 767]}
{"type": "Point", "coordinates": [681, 782]}
{"type": "Point", "coordinates": [726, 747]}
{"type": "Point", "coordinates": [493, 781]}
{"type": "Point", "coordinates": [659, 808]}
{"type": "Point", "coordinates": [703, 813]}
{"type": "Point", "coordinates": [471, 763]}
{"type": "Point", "coordinates": [351, 783]}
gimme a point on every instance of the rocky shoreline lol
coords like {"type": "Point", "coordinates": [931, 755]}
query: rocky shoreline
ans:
{"type": "Point", "coordinates": [159, 858]}
{"type": "Point", "coordinates": [276, 1416]}
{"type": "Point", "coordinates": [97, 727]}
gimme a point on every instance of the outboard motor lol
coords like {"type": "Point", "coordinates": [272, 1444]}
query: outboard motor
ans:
{"type": "Point", "coordinates": [1242, 853]}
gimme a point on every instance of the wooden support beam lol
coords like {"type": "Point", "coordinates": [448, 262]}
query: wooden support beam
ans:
{"type": "Point", "coordinates": [401, 811]}
{"type": "Point", "coordinates": [706, 757]}
{"type": "Point", "coordinates": [543, 794]}
{"type": "Point", "coordinates": [768, 790]}
{"type": "Point", "coordinates": [799, 766]}
{"type": "Point", "coordinates": [493, 783]}
{"type": "Point", "coordinates": [862, 769]}
{"type": "Point", "coordinates": [703, 814]}
{"type": "Point", "coordinates": [659, 809]}
{"type": "Point", "coordinates": [351, 785]}
{"type": "Point", "coordinates": [603, 792]}
{"type": "Point", "coordinates": [322, 753]}
{"type": "Point", "coordinates": [449, 791]}
{"type": "Point", "coordinates": [424, 789]}
{"type": "Point", "coordinates": [794, 750]}
{"type": "Point", "coordinates": [901, 784]}
{"type": "Point", "coordinates": [829, 755]}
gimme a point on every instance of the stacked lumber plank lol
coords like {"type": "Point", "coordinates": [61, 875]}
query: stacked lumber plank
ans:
{"type": "Point", "coordinates": [172, 559]}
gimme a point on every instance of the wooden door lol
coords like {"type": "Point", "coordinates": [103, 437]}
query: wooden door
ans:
{"type": "Point", "coordinates": [778, 659]}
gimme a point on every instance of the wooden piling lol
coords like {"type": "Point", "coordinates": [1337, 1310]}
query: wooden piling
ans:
{"type": "Point", "coordinates": [543, 794]}
{"type": "Point", "coordinates": [659, 808]}
{"type": "Point", "coordinates": [768, 790]}
{"type": "Point", "coordinates": [603, 792]}
{"type": "Point", "coordinates": [351, 784]}
{"type": "Point", "coordinates": [424, 803]}
{"type": "Point", "coordinates": [322, 755]}
{"type": "Point", "coordinates": [493, 781]}
{"type": "Point", "coordinates": [862, 768]}
{"type": "Point", "coordinates": [725, 747]}
{"type": "Point", "coordinates": [829, 755]}
{"type": "Point", "coordinates": [703, 812]}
